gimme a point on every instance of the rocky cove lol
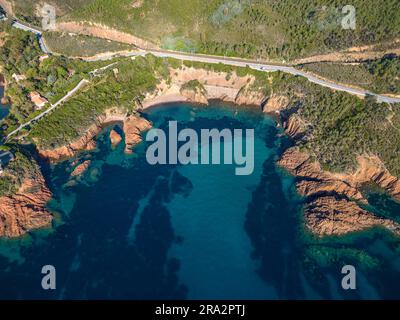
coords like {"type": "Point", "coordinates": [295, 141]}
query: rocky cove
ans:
{"type": "Point", "coordinates": [132, 126]}
{"type": "Point", "coordinates": [331, 200]}
{"type": "Point", "coordinates": [120, 213]}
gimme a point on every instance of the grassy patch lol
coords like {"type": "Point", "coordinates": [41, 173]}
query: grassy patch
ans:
{"type": "Point", "coordinates": [268, 29]}
{"type": "Point", "coordinates": [81, 46]}
{"type": "Point", "coordinates": [52, 77]}
{"type": "Point", "coordinates": [70, 121]}
{"type": "Point", "coordinates": [22, 167]}
{"type": "Point", "coordinates": [380, 76]}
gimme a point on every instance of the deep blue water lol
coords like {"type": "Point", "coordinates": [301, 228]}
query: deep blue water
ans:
{"type": "Point", "coordinates": [129, 230]}
{"type": "Point", "coordinates": [3, 108]}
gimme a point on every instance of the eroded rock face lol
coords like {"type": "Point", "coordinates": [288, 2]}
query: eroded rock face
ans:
{"type": "Point", "coordinates": [311, 179]}
{"type": "Point", "coordinates": [330, 216]}
{"type": "Point", "coordinates": [26, 209]}
{"type": "Point", "coordinates": [195, 96]}
{"type": "Point", "coordinates": [85, 143]}
{"type": "Point", "coordinates": [330, 208]}
{"type": "Point", "coordinates": [133, 126]}
{"type": "Point", "coordinates": [371, 169]}
{"type": "Point", "coordinates": [250, 98]}
{"type": "Point", "coordinates": [115, 138]}
{"type": "Point", "coordinates": [294, 127]}
{"type": "Point", "coordinates": [276, 103]}
{"type": "Point", "coordinates": [80, 169]}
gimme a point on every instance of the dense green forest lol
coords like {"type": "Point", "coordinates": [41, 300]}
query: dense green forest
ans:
{"type": "Point", "coordinates": [379, 76]}
{"type": "Point", "coordinates": [51, 76]}
{"type": "Point", "coordinates": [273, 29]}
{"type": "Point", "coordinates": [119, 90]}
{"type": "Point", "coordinates": [22, 167]}
{"type": "Point", "coordinates": [342, 126]}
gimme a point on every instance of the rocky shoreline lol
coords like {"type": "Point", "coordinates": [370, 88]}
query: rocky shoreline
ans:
{"type": "Point", "coordinates": [332, 200]}
{"type": "Point", "coordinates": [215, 86]}
{"type": "Point", "coordinates": [133, 125]}
{"type": "Point", "coordinates": [26, 209]}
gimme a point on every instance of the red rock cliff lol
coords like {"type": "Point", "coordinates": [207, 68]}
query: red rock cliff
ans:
{"type": "Point", "coordinates": [132, 125]}
{"type": "Point", "coordinates": [26, 209]}
{"type": "Point", "coordinates": [330, 209]}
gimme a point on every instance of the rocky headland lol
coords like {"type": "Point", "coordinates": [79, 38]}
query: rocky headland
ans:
{"type": "Point", "coordinates": [81, 168]}
{"type": "Point", "coordinates": [214, 86]}
{"type": "Point", "coordinates": [25, 209]}
{"type": "Point", "coordinates": [333, 200]}
{"type": "Point", "coordinates": [133, 125]}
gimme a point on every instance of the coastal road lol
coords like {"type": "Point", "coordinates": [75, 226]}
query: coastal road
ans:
{"type": "Point", "coordinates": [256, 66]}
{"type": "Point", "coordinates": [24, 27]}
{"type": "Point", "coordinates": [38, 33]}
{"type": "Point", "coordinates": [53, 106]}
{"type": "Point", "coordinates": [233, 62]}
{"type": "Point", "coordinates": [271, 68]}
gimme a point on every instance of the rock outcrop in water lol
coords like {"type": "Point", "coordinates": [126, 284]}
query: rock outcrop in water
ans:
{"type": "Point", "coordinates": [25, 209]}
{"type": "Point", "coordinates": [294, 127]}
{"type": "Point", "coordinates": [133, 127]}
{"type": "Point", "coordinates": [115, 138]}
{"type": "Point", "coordinates": [81, 168]}
{"type": "Point", "coordinates": [330, 198]}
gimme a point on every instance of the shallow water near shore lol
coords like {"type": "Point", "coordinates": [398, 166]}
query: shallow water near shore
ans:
{"type": "Point", "coordinates": [4, 109]}
{"type": "Point", "coordinates": [129, 230]}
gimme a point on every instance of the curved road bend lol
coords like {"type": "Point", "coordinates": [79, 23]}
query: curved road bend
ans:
{"type": "Point", "coordinates": [231, 61]}
{"type": "Point", "coordinates": [257, 66]}
{"type": "Point", "coordinates": [205, 59]}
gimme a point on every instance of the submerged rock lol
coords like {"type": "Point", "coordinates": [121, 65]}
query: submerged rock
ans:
{"type": "Point", "coordinates": [80, 169]}
{"type": "Point", "coordinates": [115, 138]}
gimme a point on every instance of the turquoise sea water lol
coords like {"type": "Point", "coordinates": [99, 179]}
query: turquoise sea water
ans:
{"type": "Point", "coordinates": [129, 230]}
{"type": "Point", "coordinates": [3, 108]}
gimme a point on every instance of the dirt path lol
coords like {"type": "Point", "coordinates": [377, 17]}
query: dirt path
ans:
{"type": "Point", "coordinates": [354, 54]}
{"type": "Point", "coordinates": [104, 32]}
